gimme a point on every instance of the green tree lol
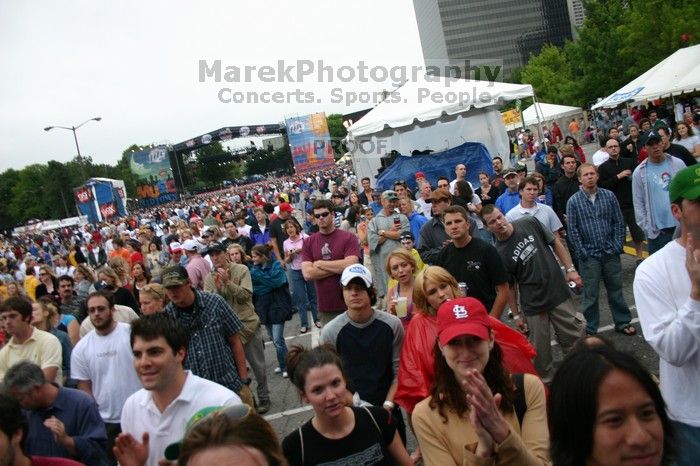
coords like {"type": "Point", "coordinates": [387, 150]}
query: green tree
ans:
{"type": "Point", "coordinates": [337, 132]}
{"type": "Point", "coordinates": [58, 190]}
{"type": "Point", "coordinates": [212, 164]}
{"type": "Point", "coordinates": [8, 179]}
{"type": "Point", "coordinates": [262, 162]}
{"type": "Point", "coordinates": [550, 75]}
{"type": "Point", "coordinates": [27, 194]}
{"type": "Point", "coordinates": [654, 30]}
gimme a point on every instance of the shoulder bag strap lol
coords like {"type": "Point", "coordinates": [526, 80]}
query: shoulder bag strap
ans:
{"type": "Point", "coordinates": [379, 431]}
{"type": "Point", "coordinates": [301, 442]}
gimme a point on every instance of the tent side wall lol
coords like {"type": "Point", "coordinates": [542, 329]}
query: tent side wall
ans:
{"type": "Point", "coordinates": [476, 125]}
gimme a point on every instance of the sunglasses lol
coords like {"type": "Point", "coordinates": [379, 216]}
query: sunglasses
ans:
{"type": "Point", "coordinates": [322, 215]}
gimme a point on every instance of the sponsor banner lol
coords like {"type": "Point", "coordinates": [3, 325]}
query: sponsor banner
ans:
{"type": "Point", "coordinates": [155, 183]}
{"type": "Point", "coordinates": [83, 194]}
{"type": "Point", "coordinates": [310, 143]}
{"type": "Point", "coordinates": [108, 210]}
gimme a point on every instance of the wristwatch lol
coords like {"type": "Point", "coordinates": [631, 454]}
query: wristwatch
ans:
{"type": "Point", "coordinates": [571, 269]}
{"type": "Point", "coordinates": [388, 404]}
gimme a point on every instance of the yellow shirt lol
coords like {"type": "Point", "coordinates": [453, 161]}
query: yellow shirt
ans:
{"type": "Point", "coordinates": [41, 348]}
{"type": "Point", "coordinates": [30, 284]}
{"type": "Point", "coordinates": [454, 442]}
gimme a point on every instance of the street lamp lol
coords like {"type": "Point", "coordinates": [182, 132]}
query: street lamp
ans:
{"type": "Point", "coordinates": [73, 128]}
{"type": "Point", "coordinates": [75, 136]}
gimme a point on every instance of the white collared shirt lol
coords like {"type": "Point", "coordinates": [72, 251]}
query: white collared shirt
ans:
{"type": "Point", "coordinates": [140, 413]}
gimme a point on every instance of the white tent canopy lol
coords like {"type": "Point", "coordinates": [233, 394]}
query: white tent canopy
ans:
{"type": "Point", "coordinates": [433, 113]}
{"type": "Point", "coordinates": [677, 74]}
{"type": "Point", "coordinates": [431, 97]}
{"type": "Point", "coordinates": [548, 112]}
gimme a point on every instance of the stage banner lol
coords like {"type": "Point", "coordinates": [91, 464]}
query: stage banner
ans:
{"type": "Point", "coordinates": [155, 183]}
{"type": "Point", "coordinates": [310, 143]}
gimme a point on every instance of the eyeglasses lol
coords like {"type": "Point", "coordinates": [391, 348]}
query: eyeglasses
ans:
{"type": "Point", "coordinates": [322, 214]}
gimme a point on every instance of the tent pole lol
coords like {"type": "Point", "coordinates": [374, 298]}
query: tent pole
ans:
{"type": "Point", "coordinates": [539, 121]}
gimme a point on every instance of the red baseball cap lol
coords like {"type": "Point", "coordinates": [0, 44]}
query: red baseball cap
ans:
{"type": "Point", "coordinates": [420, 175]}
{"type": "Point", "coordinates": [286, 207]}
{"type": "Point", "coordinates": [462, 316]}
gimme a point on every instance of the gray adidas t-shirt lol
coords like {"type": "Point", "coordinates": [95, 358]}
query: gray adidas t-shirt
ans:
{"type": "Point", "coordinates": [530, 261]}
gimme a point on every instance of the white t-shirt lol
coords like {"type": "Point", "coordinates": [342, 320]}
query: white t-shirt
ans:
{"type": "Point", "coordinates": [108, 363]}
{"type": "Point", "coordinates": [599, 157]}
{"type": "Point", "coordinates": [670, 321]}
{"type": "Point", "coordinates": [140, 413]}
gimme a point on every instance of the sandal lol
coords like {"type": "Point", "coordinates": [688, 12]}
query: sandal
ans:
{"type": "Point", "coordinates": [303, 330]}
{"type": "Point", "coordinates": [628, 330]}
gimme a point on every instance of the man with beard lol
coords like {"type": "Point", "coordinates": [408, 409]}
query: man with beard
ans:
{"type": "Point", "coordinates": [101, 363]}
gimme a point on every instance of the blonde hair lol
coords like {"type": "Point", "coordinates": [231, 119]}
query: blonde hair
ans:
{"type": "Point", "coordinates": [239, 248]}
{"type": "Point", "coordinates": [155, 291]}
{"type": "Point", "coordinates": [437, 275]}
{"type": "Point", "coordinates": [86, 271]}
{"type": "Point", "coordinates": [120, 267]}
{"type": "Point", "coordinates": [49, 270]}
{"type": "Point", "coordinates": [49, 308]}
{"type": "Point", "coordinates": [401, 253]}
{"type": "Point", "coordinates": [111, 273]}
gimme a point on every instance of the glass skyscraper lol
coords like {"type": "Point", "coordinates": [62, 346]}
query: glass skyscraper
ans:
{"type": "Point", "coordinates": [492, 32]}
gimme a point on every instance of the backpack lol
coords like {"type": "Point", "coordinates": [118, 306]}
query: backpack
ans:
{"type": "Point", "coordinates": [519, 403]}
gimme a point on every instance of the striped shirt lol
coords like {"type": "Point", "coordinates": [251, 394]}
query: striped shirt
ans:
{"type": "Point", "coordinates": [595, 224]}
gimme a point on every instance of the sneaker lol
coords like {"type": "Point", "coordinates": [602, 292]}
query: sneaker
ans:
{"type": "Point", "coordinates": [303, 330]}
{"type": "Point", "coordinates": [263, 407]}
{"type": "Point", "coordinates": [317, 324]}
{"type": "Point", "coordinates": [285, 375]}
{"type": "Point", "coordinates": [277, 370]}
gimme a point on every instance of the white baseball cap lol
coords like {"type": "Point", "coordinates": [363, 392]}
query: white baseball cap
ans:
{"type": "Point", "coordinates": [355, 271]}
{"type": "Point", "coordinates": [190, 245]}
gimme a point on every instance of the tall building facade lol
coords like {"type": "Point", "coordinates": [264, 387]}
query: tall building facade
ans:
{"type": "Point", "coordinates": [490, 32]}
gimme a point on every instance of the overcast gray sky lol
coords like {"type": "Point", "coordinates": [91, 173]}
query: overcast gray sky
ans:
{"type": "Point", "coordinates": [136, 64]}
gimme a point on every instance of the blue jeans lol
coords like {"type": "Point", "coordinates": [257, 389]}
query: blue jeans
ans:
{"type": "Point", "coordinates": [687, 444]}
{"type": "Point", "coordinates": [609, 268]}
{"type": "Point", "coordinates": [303, 297]}
{"type": "Point", "coordinates": [276, 332]}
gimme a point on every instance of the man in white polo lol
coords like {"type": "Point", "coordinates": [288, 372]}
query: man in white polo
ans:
{"type": "Point", "coordinates": [156, 416]}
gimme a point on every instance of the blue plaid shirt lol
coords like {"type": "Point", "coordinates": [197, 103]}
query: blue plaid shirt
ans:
{"type": "Point", "coordinates": [595, 228]}
{"type": "Point", "coordinates": [210, 324]}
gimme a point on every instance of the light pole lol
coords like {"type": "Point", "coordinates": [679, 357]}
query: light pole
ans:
{"type": "Point", "coordinates": [75, 136]}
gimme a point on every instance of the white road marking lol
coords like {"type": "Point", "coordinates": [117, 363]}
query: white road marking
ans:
{"type": "Point", "coordinates": [289, 412]}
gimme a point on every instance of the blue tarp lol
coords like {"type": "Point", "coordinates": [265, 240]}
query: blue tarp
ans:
{"type": "Point", "coordinates": [472, 154]}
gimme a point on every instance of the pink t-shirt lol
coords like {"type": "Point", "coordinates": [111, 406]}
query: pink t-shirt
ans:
{"type": "Point", "coordinates": [298, 244]}
{"type": "Point", "coordinates": [341, 244]}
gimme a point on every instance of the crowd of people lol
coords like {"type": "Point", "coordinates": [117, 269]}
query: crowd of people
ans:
{"type": "Point", "coordinates": [139, 340]}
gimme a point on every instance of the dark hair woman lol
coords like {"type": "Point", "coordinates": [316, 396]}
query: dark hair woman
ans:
{"type": "Point", "coordinates": [337, 432]}
{"type": "Point", "coordinates": [605, 409]}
